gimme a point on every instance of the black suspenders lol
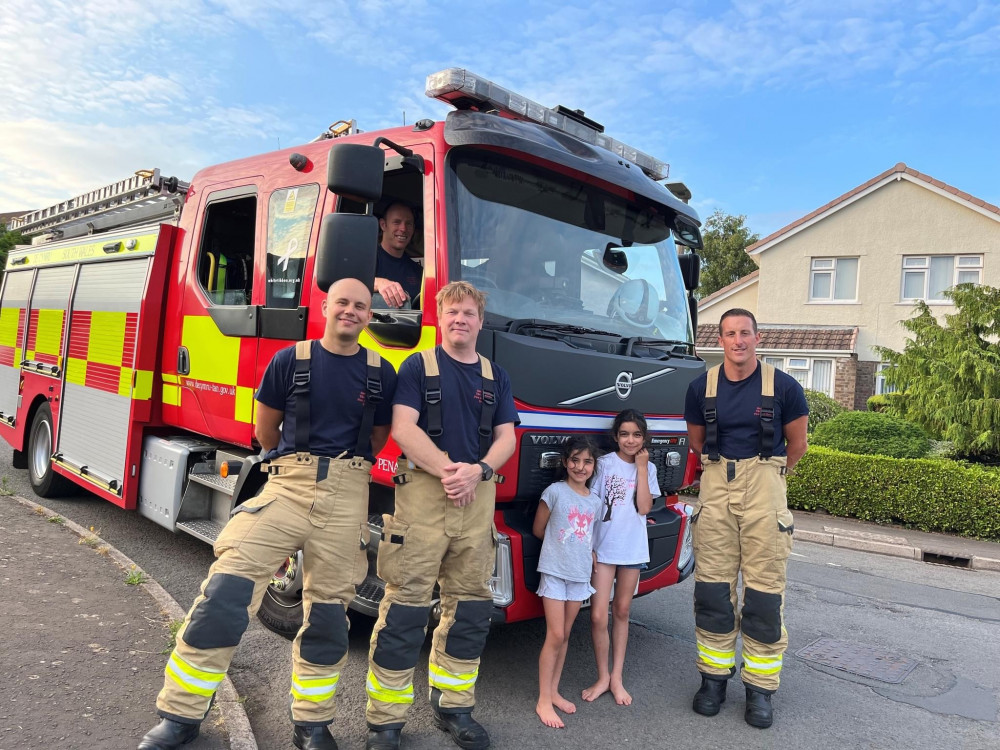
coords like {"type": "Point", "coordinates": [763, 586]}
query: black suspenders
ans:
{"type": "Point", "coordinates": [432, 398]}
{"type": "Point", "coordinates": [300, 391]}
{"type": "Point", "coordinates": [765, 436]}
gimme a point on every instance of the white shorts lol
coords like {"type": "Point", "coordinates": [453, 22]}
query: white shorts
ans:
{"type": "Point", "coordinates": [554, 587]}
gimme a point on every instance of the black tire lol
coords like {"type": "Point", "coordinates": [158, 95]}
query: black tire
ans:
{"type": "Point", "coordinates": [44, 481]}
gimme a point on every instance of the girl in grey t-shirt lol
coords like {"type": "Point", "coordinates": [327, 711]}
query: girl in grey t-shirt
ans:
{"type": "Point", "coordinates": [565, 522]}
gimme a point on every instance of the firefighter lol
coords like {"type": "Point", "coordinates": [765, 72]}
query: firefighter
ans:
{"type": "Point", "coordinates": [323, 411]}
{"type": "Point", "coordinates": [454, 420]}
{"type": "Point", "coordinates": [748, 423]}
{"type": "Point", "coordinates": [397, 275]}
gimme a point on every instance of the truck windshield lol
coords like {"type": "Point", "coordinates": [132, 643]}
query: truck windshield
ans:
{"type": "Point", "coordinates": [547, 247]}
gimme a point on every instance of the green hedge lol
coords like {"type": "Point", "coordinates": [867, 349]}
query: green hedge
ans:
{"type": "Point", "coordinates": [925, 494]}
{"type": "Point", "coordinates": [821, 408]}
{"type": "Point", "coordinates": [872, 433]}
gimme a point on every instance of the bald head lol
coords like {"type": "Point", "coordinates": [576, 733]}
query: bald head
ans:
{"type": "Point", "coordinates": [352, 286]}
{"type": "Point", "coordinates": [347, 309]}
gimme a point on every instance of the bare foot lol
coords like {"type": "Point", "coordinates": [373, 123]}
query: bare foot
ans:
{"type": "Point", "coordinates": [622, 698]}
{"type": "Point", "coordinates": [596, 690]}
{"type": "Point", "coordinates": [563, 705]}
{"type": "Point", "coordinates": [548, 715]}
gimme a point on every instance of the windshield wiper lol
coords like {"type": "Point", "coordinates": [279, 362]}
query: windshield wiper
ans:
{"type": "Point", "coordinates": [517, 325]}
{"type": "Point", "coordinates": [668, 344]}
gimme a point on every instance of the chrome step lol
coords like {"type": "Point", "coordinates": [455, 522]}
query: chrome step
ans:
{"type": "Point", "coordinates": [227, 484]}
{"type": "Point", "coordinates": [202, 528]}
{"type": "Point", "coordinates": [369, 595]}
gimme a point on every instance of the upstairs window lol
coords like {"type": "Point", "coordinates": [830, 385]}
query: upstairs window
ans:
{"type": "Point", "coordinates": [833, 279]}
{"type": "Point", "coordinates": [928, 277]}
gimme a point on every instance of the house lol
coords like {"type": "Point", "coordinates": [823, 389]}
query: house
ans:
{"type": "Point", "coordinates": [838, 282]}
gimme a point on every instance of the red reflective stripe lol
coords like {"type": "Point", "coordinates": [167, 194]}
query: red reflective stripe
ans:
{"type": "Point", "coordinates": [103, 377]}
{"type": "Point", "coordinates": [79, 337]}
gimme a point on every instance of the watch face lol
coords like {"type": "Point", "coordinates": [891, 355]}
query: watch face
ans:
{"type": "Point", "coordinates": [487, 470]}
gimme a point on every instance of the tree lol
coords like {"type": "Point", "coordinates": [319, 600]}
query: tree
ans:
{"type": "Point", "coordinates": [947, 375]}
{"type": "Point", "coordinates": [723, 259]}
{"type": "Point", "coordinates": [7, 242]}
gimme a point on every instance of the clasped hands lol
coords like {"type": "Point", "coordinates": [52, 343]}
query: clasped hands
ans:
{"type": "Point", "coordinates": [460, 481]}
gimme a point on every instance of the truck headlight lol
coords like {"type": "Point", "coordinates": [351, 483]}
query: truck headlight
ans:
{"type": "Point", "coordinates": [687, 544]}
{"type": "Point", "coordinates": [502, 582]}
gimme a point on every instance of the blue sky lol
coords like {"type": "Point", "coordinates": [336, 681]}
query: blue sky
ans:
{"type": "Point", "coordinates": [768, 109]}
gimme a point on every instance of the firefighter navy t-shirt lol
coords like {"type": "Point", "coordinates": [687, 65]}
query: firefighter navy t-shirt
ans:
{"type": "Point", "coordinates": [336, 399]}
{"type": "Point", "coordinates": [738, 408]}
{"type": "Point", "coordinates": [404, 270]}
{"type": "Point", "coordinates": [461, 399]}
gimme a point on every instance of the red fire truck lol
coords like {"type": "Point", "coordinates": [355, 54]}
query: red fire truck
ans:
{"type": "Point", "coordinates": [136, 326]}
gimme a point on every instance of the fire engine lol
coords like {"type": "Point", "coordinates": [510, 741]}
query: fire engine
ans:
{"type": "Point", "coordinates": [136, 326]}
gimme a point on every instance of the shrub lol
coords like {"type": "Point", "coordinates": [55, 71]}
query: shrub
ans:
{"type": "Point", "coordinates": [821, 408]}
{"type": "Point", "coordinates": [872, 433]}
{"type": "Point", "coordinates": [930, 495]}
{"type": "Point", "coordinates": [878, 402]}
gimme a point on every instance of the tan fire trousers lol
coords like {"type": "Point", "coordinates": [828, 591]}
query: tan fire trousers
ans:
{"type": "Point", "coordinates": [429, 541]}
{"type": "Point", "coordinates": [318, 505]}
{"type": "Point", "coordinates": [741, 524]}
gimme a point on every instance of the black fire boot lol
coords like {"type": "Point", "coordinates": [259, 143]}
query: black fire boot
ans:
{"type": "Point", "coordinates": [313, 738]}
{"type": "Point", "coordinates": [466, 731]}
{"type": "Point", "coordinates": [382, 739]}
{"type": "Point", "coordinates": [169, 735]}
{"type": "Point", "coordinates": [710, 696]}
{"type": "Point", "coordinates": [759, 712]}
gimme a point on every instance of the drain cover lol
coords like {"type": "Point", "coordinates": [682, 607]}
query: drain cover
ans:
{"type": "Point", "coordinates": [864, 661]}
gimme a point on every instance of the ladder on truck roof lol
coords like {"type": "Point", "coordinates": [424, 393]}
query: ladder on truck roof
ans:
{"type": "Point", "coordinates": [145, 197]}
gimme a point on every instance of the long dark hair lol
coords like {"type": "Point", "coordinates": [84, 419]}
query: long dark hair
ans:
{"type": "Point", "coordinates": [629, 415]}
{"type": "Point", "coordinates": [577, 444]}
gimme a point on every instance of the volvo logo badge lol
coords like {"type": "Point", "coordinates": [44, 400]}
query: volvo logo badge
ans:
{"type": "Point", "coordinates": [623, 385]}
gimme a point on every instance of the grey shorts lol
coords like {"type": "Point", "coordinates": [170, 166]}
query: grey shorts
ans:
{"type": "Point", "coordinates": [553, 587]}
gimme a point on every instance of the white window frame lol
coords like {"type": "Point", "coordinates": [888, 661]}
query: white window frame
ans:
{"type": "Point", "coordinates": [921, 264]}
{"type": "Point", "coordinates": [881, 387]}
{"type": "Point", "coordinates": [790, 362]}
{"type": "Point", "coordinates": [829, 266]}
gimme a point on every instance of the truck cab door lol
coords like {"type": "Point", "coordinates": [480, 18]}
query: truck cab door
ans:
{"type": "Point", "coordinates": [213, 383]}
{"type": "Point", "coordinates": [290, 232]}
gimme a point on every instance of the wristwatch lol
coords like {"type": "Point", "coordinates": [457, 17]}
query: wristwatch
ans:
{"type": "Point", "coordinates": [487, 471]}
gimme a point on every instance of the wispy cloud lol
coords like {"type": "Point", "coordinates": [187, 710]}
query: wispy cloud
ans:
{"type": "Point", "coordinates": [90, 91]}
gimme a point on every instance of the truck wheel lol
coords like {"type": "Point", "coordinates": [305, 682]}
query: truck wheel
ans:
{"type": "Point", "coordinates": [281, 608]}
{"type": "Point", "coordinates": [44, 481]}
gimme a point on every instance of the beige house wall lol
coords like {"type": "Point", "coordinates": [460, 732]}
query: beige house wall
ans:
{"type": "Point", "coordinates": [897, 219]}
{"type": "Point", "coordinates": [745, 298]}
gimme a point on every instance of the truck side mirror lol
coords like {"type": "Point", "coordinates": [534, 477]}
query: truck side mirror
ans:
{"type": "Point", "coordinates": [355, 171]}
{"type": "Point", "coordinates": [690, 270]}
{"type": "Point", "coordinates": [686, 232]}
{"type": "Point", "coordinates": [347, 245]}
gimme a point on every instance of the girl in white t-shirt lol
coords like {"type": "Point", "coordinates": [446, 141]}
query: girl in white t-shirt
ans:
{"type": "Point", "coordinates": [626, 484]}
{"type": "Point", "coordinates": [565, 522]}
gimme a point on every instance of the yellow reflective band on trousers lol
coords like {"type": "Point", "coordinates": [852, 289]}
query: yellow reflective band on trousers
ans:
{"type": "Point", "coordinates": [196, 681]}
{"type": "Point", "coordinates": [715, 657]}
{"type": "Point", "coordinates": [442, 679]}
{"type": "Point", "coordinates": [315, 689]}
{"type": "Point", "coordinates": [388, 695]}
{"type": "Point", "coordinates": [757, 665]}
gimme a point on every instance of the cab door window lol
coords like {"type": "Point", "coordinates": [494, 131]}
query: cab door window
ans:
{"type": "Point", "coordinates": [290, 215]}
{"type": "Point", "coordinates": [226, 254]}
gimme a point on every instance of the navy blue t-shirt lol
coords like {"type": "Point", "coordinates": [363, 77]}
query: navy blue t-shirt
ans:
{"type": "Point", "coordinates": [738, 407]}
{"type": "Point", "coordinates": [336, 399]}
{"type": "Point", "coordinates": [461, 400]}
{"type": "Point", "coordinates": [404, 270]}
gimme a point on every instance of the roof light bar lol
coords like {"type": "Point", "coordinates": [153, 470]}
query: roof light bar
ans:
{"type": "Point", "coordinates": [464, 90]}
